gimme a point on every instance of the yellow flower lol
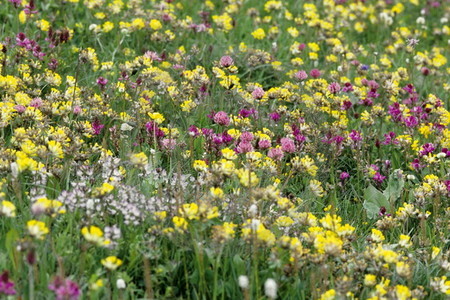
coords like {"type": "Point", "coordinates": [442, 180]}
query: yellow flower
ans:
{"type": "Point", "coordinates": [229, 153]}
{"type": "Point", "coordinates": [157, 117]}
{"type": "Point", "coordinates": [402, 292]}
{"type": "Point", "coordinates": [55, 149]}
{"type": "Point", "coordinates": [328, 295]}
{"type": "Point", "coordinates": [107, 26]}
{"type": "Point", "coordinates": [180, 223]}
{"type": "Point", "coordinates": [216, 192]}
{"type": "Point", "coordinates": [155, 24]}
{"type": "Point", "coordinates": [200, 165]}
{"type": "Point", "coordinates": [43, 25]}
{"type": "Point", "coordinates": [111, 263]}
{"type": "Point", "coordinates": [377, 236]}
{"type": "Point", "coordinates": [7, 209]}
{"type": "Point", "coordinates": [259, 34]}
{"type": "Point", "coordinates": [190, 211]}
{"type": "Point", "coordinates": [139, 159]}
{"type": "Point", "coordinates": [45, 205]}
{"type": "Point", "coordinates": [106, 188]}
{"type": "Point", "coordinates": [138, 24]}
{"type": "Point", "coordinates": [37, 229]}
{"type": "Point", "coordinates": [94, 235]}
{"type": "Point", "coordinates": [370, 280]}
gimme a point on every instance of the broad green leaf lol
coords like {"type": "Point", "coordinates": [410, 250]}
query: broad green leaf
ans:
{"type": "Point", "coordinates": [373, 201]}
{"type": "Point", "coordinates": [395, 186]}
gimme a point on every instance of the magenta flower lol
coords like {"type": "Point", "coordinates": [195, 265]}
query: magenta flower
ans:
{"type": "Point", "coordinates": [65, 289]}
{"type": "Point", "coordinates": [6, 285]}
{"type": "Point", "coordinates": [378, 177]}
{"type": "Point", "coordinates": [101, 81]}
{"type": "Point", "coordinates": [97, 127]}
{"type": "Point", "coordinates": [315, 73]}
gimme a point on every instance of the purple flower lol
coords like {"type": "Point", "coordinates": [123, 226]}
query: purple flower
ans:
{"type": "Point", "coordinates": [348, 87]}
{"type": "Point", "coordinates": [101, 81]}
{"type": "Point", "coordinates": [389, 138]}
{"type": "Point", "coordinates": [416, 164]}
{"type": "Point", "coordinates": [6, 285]}
{"type": "Point", "coordinates": [411, 121]}
{"type": "Point", "coordinates": [275, 116]}
{"type": "Point", "coordinates": [65, 289]}
{"type": "Point", "coordinates": [427, 149]}
{"type": "Point", "coordinates": [97, 127]}
{"type": "Point", "coordinates": [344, 176]}
{"type": "Point", "coordinates": [355, 136]}
{"type": "Point", "coordinates": [16, 3]}
{"type": "Point", "coordinates": [378, 177]}
{"type": "Point", "coordinates": [193, 131]}
{"type": "Point", "coordinates": [410, 88]}
{"type": "Point", "coordinates": [346, 105]}
{"type": "Point", "coordinates": [153, 129]}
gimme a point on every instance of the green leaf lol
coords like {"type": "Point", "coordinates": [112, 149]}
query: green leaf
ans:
{"type": "Point", "coordinates": [10, 244]}
{"type": "Point", "coordinates": [239, 265]}
{"type": "Point", "coordinates": [374, 200]}
{"type": "Point", "coordinates": [395, 186]}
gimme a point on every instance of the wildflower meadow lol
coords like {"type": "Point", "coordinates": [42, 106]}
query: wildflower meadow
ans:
{"type": "Point", "coordinates": [235, 149]}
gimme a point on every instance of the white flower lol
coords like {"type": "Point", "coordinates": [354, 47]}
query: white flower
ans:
{"type": "Point", "coordinates": [270, 288]}
{"type": "Point", "coordinates": [121, 284]}
{"type": "Point", "coordinates": [243, 282]}
{"type": "Point", "coordinates": [253, 210]}
{"type": "Point", "coordinates": [126, 127]}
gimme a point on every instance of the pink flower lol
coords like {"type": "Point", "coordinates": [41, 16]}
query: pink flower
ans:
{"type": "Point", "coordinates": [264, 144]}
{"type": "Point", "coordinates": [168, 144]}
{"type": "Point", "coordinates": [226, 61]}
{"type": "Point", "coordinates": [246, 136]}
{"type": "Point", "coordinates": [276, 154]}
{"type": "Point", "coordinates": [244, 147]}
{"type": "Point", "coordinates": [221, 118]}
{"type": "Point", "coordinates": [20, 108]}
{"type": "Point", "coordinates": [36, 102]}
{"type": "Point", "coordinates": [315, 73]}
{"type": "Point", "coordinates": [258, 93]}
{"type": "Point", "coordinates": [334, 87]}
{"type": "Point", "coordinates": [301, 75]}
{"type": "Point", "coordinates": [287, 145]}
{"type": "Point", "coordinates": [77, 110]}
